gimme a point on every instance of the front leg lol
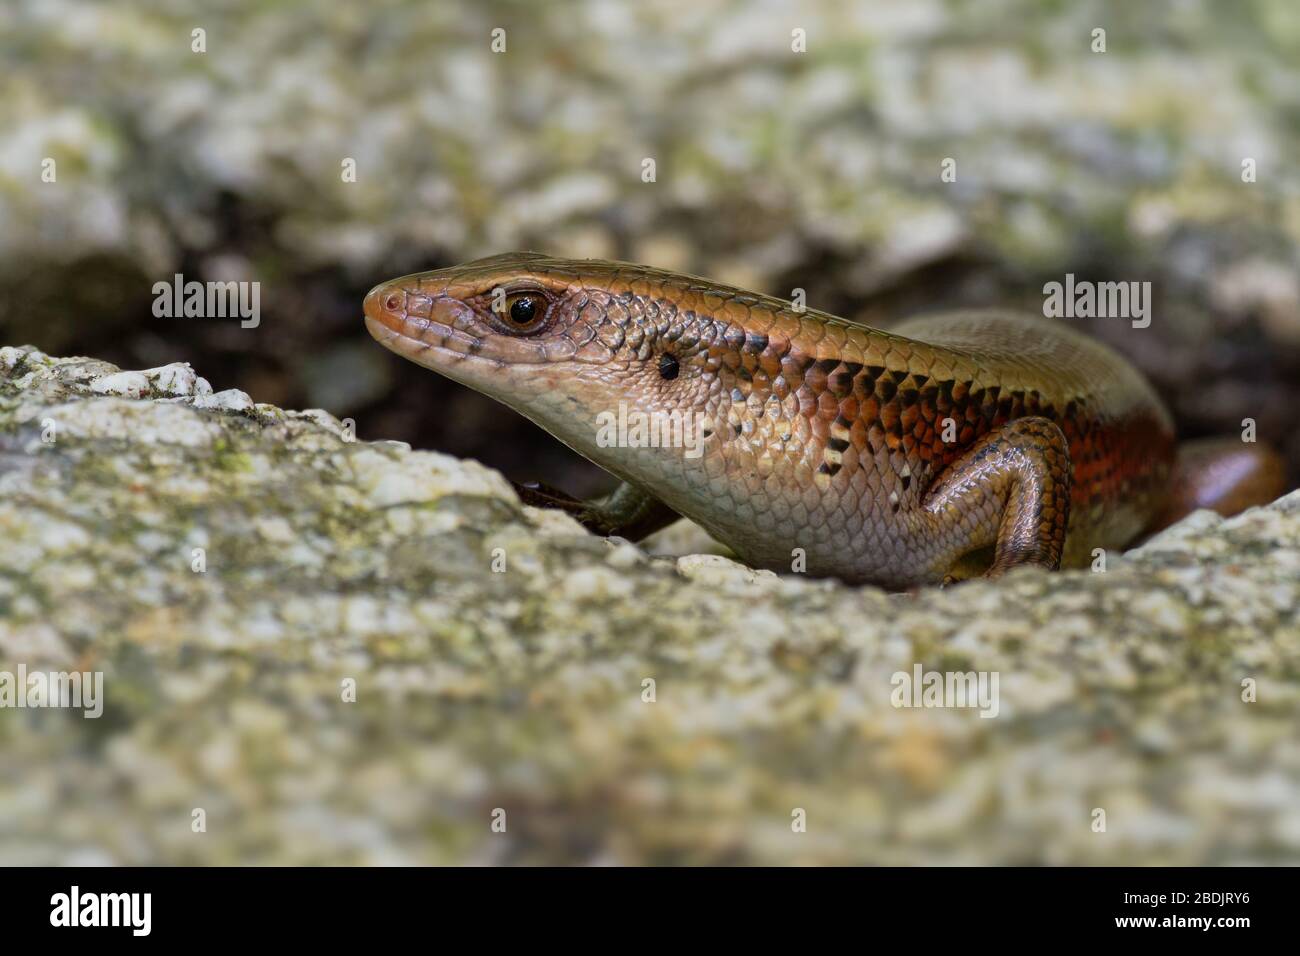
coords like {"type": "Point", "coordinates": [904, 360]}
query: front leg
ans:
{"type": "Point", "coordinates": [1011, 489]}
{"type": "Point", "coordinates": [627, 511]}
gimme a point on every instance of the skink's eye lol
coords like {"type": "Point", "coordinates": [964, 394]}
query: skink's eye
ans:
{"type": "Point", "coordinates": [521, 312]}
{"type": "Point", "coordinates": [524, 308]}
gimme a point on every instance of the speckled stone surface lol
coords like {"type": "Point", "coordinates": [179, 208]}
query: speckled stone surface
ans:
{"type": "Point", "coordinates": [523, 690]}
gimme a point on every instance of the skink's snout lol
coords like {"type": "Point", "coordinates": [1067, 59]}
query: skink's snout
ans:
{"type": "Point", "coordinates": [445, 325]}
{"type": "Point", "coordinates": [386, 305]}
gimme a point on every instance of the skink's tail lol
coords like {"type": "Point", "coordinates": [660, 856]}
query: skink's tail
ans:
{"type": "Point", "coordinates": [1225, 475]}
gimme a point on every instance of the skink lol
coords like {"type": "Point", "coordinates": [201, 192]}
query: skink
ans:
{"type": "Point", "coordinates": [949, 445]}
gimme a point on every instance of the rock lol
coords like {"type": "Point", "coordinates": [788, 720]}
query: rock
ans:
{"type": "Point", "coordinates": [236, 570]}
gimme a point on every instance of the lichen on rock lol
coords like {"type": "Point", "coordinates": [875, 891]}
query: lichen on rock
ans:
{"type": "Point", "coordinates": [233, 568]}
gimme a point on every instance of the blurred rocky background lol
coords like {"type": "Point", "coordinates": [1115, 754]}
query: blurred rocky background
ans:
{"type": "Point", "coordinates": [775, 170]}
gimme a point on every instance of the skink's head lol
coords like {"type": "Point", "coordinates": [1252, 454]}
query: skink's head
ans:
{"type": "Point", "coordinates": [559, 340]}
{"type": "Point", "coordinates": [472, 321]}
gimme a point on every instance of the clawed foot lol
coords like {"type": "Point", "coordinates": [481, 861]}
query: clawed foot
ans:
{"type": "Point", "coordinates": [540, 495]}
{"type": "Point", "coordinates": [626, 511]}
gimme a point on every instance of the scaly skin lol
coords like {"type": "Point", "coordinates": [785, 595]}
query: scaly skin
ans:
{"type": "Point", "coordinates": [897, 458]}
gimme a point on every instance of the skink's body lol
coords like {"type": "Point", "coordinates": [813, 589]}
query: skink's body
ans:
{"type": "Point", "coordinates": [890, 457]}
